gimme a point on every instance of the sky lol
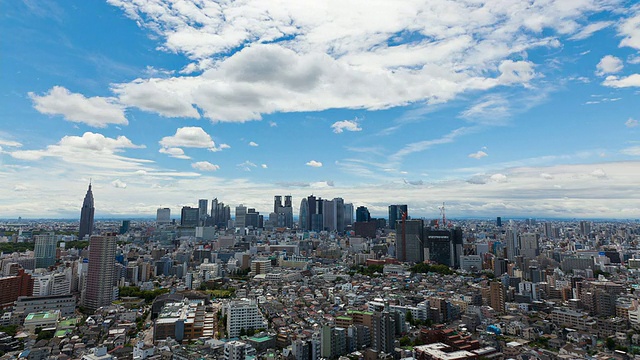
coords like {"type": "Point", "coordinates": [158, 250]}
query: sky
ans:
{"type": "Point", "coordinates": [494, 107]}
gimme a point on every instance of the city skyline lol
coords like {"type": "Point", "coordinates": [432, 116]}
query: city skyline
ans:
{"type": "Point", "coordinates": [497, 109]}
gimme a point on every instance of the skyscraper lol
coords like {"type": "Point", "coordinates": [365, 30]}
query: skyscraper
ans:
{"type": "Point", "coordinates": [277, 203]}
{"type": "Point", "coordinates": [241, 215]}
{"type": "Point", "coordinates": [409, 241]}
{"type": "Point", "coordinates": [189, 216]}
{"type": "Point", "coordinates": [45, 250]}
{"type": "Point", "coordinates": [86, 215]}
{"type": "Point", "coordinates": [202, 211]}
{"type": "Point", "coordinates": [395, 213]}
{"type": "Point", "coordinates": [303, 216]}
{"type": "Point", "coordinates": [100, 273]}
{"type": "Point", "coordinates": [362, 214]}
{"type": "Point", "coordinates": [163, 216]}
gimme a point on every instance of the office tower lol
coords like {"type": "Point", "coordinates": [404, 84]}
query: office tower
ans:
{"type": "Point", "coordinates": [163, 216]}
{"type": "Point", "coordinates": [328, 215]}
{"type": "Point", "coordinates": [252, 219]}
{"type": "Point", "coordinates": [287, 201]}
{"type": "Point", "coordinates": [499, 266]}
{"type": "Point", "coordinates": [499, 221]}
{"type": "Point", "coordinates": [100, 273]}
{"type": "Point", "coordinates": [303, 215]}
{"type": "Point", "coordinates": [348, 215]}
{"type": "Point", "coordinates": [277, 203]}
{"type": "Point", "coordinates": [45, 250]}
{"type": "Point", "coordinates": [220, 214]}
{"type": "Point", "coordinates": [529, 245]}
{"type": "Point", "coordinates": [409, 241]}
{"type": "Point", "coordinates": [497, 296]}
{"type": "Point", "coordinates": [511, 240]}
{"type": "Point", "coordinates": [241, 214]}
{"type": "Point", "coordinates": [445, 246]}
{"type": "Point", "coordinates": [395, 214]}
{"type": "Point", "coordinates": [202, 211]}
{"type": "Point", "coordinates": [362, 214]}
{"type": "Point", "coordinates": [125, 226]}
{"type": "Point", "coordinates": [338, 206]}
{"type": "Point", "coordinates": [86, 215]}
{"type": "Point", "coordinates": [585, 228]}
{"type": "Point", "coordinates": [315, 216]}
{"type": "Point", "coordinates": [189, 216]}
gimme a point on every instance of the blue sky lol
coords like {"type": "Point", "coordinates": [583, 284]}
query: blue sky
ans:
{"type": "Point", "coordinates": [494, 107]}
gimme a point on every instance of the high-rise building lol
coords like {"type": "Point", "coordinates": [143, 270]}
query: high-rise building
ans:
{"type": "Point", "coordinates": [241, 215]}
{"type": "Point", "coordinates": [383, 332]}
{"type": "Point", "coordinates": [86, 215]}
{"type": "Point", "coordinates": [189, 216]}
{"type": "Point", "coordinates": [410, 240]}
{"type": "Point", "coordinates": [203, 205]}
{"type": "Point", "coordinates": [45, 250]}
{"type": "Point", "coordinates": [511, 240]}
{"type": "Point", "coordinates": [277, 203]}
{"type": "Point", "coordinates": [445, 246]}
{"type": "Point", "coordinates": [163, 216]}
{"type": "Point", "coordinates": [316, 217]}
{"type": "Point", "coordinates": [395, 213]}
{"type": "Point", "coordinates": [243, 314]}
{"type": "Point", "coordinates": [498, 221]}
{"type": "Point", "coordinates": [100, 273]}
{"type": "Point", "coordinates": [497, 296]}
{"type": "Point", "coordinates": [348, 214]}
{"type": "Point", "coordinates": [362, 214]}
{"type": "Point", "coordinates": [220, 214]}
{"type": "Point", "coordinates": [303, 215]}
{"type": "Point", "coordinates": [585, 228]}
{"type": "Point", "coordinates": [287, 201]}
{"type": "Point", "coordinates": [529, 245]}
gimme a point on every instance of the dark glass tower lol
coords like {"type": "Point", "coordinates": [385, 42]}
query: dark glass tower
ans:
{"type": "Point", "coordinates": [86, 215]}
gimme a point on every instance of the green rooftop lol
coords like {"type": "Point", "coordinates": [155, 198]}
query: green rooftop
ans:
{"type": "Point", "coordinates": [260, 339]}
{"type": "Point", "coordinates": [68, 323]}
{"type": "Point", "coordinates": [41, 316]}
{"type": "Point", "coordinates": [359, 312]}
{"type": "Point", "coordinates": [344, 318]}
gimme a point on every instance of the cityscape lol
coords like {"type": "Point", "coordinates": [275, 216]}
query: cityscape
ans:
{"type": "Point", "coordinates": [332, 282]}
{"type": "Point", "coordinates": [320, 180]}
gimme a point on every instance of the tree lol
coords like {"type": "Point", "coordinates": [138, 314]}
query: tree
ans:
{"type": "Point", "coordinates": [610, 343]}
{"type": "Point", "coordinates": [243, 332]}
{"type": "Point", "coordinates": [405, 341]}
{"type": "Point", "coordinates": [410, 317]}
{"type": "Point", "coordinates": [251, 332]}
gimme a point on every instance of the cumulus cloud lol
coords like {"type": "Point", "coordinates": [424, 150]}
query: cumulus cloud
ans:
{"type": "Point", "coordinates": [314, 163]}
{"type": "Point", "coordinates": [631, 123]}
{"type": "Point", "coordinates": [348, 125]}
{"type": "Point", "coordinates": [91, 150]}
{"type": "Point", "coordinates": [254, 144]}
{"type": "Point", "coordinates": [371, 56]}
{"type": "Point", "coordinates": [95, 111]}
{"type": "Point", "coordinates": [630, 30]}
{"type": "Point", "coordinates": [546, 176]}
{"type": "Point", "coordinates": [622, 82]}
{"type": "Point", "coordinates": [599, 173]}
{"type": "Point", "coordinates": [478, 155]}
{"type": "Point", "coordinates": [194, 137]}
{"type": "Point", "coordinates": [205, 166]}
{"type": "Point", "coordinates": [609, 65]}
{"type": "Point", "coordinates": [264, 166]}
{"type": "Point", "coordinates": [177, 153]}
{"type": "Point", "coordinates": [119, 184]}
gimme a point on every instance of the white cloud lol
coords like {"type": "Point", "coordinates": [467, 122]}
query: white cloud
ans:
{"type": "Point", "coordinates": [254, 144]}
{"type": "Point", "coordinates": [490, 110]}
{"type": "Point", "coordinates": [498, 178]}
{"type": "Point", "coordinates": [10, 143]}
{"type": "Point", "coordinates": [174, 152]}
{"type": "Point", "coordinates": [588, 30]}
{"type": "Point", "coordinates": [630, 30]}
{"type": "Point", "coordinates": [631, 123]}
{"type": "Point", "coordinates": [273, 124]}
{"type": "Point", "coordinates": [20, 188]}
{"type": "Point", "coordinates": [370, 56]}
{"type": "Point", "coordinates": [95, 111]}
{"type": "Point", "coordinates": [348, 125]}
{"type": "Point", "coordinates": [609, 65]}
{"type": "Point", "coordinates": [193, 137]}
{"type": "Point", "coordinates": [91, 149]}
{"type": "Point", "coordinates": [546, 176]}
{"type": "Point", "coordinates": [633, 151]}
{"type": "Point", "coordinates": [205, 166]}
{"type": "Point", "coordinates": [119, 184]}
{"type": "Point", "coordinates": [247, 165]}
{"type": "Point", "coordinates": [314, 163]}
{"type": "Point", "coordinates": [264, 166]}
{"type": "Point", "coordinates": [599, 173]}
{"type": "Point", "coordinates": [478, 155]}
{"type": "Point", "coordinates": [622, 82]}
